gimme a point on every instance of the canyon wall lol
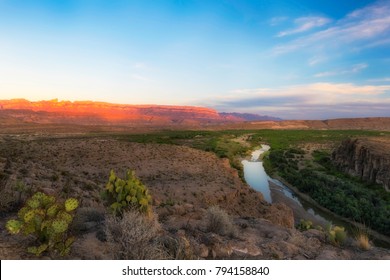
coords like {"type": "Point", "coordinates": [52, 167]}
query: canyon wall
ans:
{"type": "Point", "coordinates": [368, 159]}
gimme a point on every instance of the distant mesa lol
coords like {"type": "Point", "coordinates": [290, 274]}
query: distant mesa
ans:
{"type": "Point", "coordinates": [102, 113]}
{"type": "Point", "coordinates": [15, 112]}
{"type": "Point", "coordinates": [248, 117]}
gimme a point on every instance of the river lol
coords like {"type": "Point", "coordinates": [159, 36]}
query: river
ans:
{"type": "Point", "coordinates": [275, 191]}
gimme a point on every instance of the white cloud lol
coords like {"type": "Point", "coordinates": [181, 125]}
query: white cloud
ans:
{"type": "Point", "coordinates": [370, 24]}
{"type": "Point", "coordinates": [355, 69]}
{"type": "Point", "coordinates": [331, 99]}
{"type": "Point", "coordinates": [387, 79]}
{"type": "Point", "coordinates": [304, 24]}
{"type": "Point", "coordinates": [316, 60]}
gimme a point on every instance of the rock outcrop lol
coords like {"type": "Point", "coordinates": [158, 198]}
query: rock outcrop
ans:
{"type": "Point", "coordinates": [368, 159]}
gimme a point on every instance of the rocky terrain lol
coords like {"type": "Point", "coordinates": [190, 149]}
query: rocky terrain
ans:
{"type": "Point", "coordinates": [368, 159]}
{"type": "Point", "coordinates": [184, 184]}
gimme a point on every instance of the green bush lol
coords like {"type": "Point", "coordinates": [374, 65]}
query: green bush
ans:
{"type": "Point", "coordinates": [126, 194]}
{"type": "Point", "coordinates": [48, 221]}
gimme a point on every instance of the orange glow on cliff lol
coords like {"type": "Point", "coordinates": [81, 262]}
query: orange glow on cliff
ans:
{"type": "Point", "coordinates": [112, 112]}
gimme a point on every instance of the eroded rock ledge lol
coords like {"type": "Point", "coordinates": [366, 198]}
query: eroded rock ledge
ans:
{"type": "Point", "coordinates": [368, 159]}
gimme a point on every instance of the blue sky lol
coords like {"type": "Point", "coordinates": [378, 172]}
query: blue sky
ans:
{"type": "Point", "coordinates": [291, 59]}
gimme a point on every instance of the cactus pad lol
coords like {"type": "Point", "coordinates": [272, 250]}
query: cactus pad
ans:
{"type": "Point", "coordinates": [37, 250]}
{"type": "Point", "coordinates": [59, 226]}
{"type": "Point", "coordinates": [13, 226]}
{"type": "Point", "coordinates": [29, 216]}
{"type": "Point", "coordinates": [65, 216]}
{"type": "Point", "coordinates": [23, 212]}
{"type": "Point", "coordinates": [38, 195]}
{"type": "Point", "coordinates": [69, 241]}
{"type": "Point", "coordinates": [52, 210]}
{"type": "Point", "coordinates": [109, 187]}
{"type": "Point", "coordinates": [112, 176]}
{"type": "Point", "coordinates": [47, 200]}
{"type": "Point", "coordinates": [71, 204]}
{"type": "Point", "coordinates": [33, 203]}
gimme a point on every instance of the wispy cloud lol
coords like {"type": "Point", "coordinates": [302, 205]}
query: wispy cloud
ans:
{"type": "Point", "coordinates": [304, 24]}
{"type": "Point", "coordinates": [355, 69]}
{"type": "Point", "coordinates": [387, 79]}
{"type": "Point", "coordinates": [370, 24]}
{"type": "Point", "coordinates": [277, 20]}
{"type": "Point", "coordinates": [331, 99]}
{"type": "Point", "coordinates": [316, 60]}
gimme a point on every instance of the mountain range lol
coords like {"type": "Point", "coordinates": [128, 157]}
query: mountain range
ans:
{"type": "Point", "coordinates": [102, 113]}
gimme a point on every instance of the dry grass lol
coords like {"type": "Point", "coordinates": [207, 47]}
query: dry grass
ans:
{"type": "Point", "coordinates": [363, 241]}
{"type": "Point", "coordinates": [134, 237]}
{"type": "Point", "coordinates": [218, 221]}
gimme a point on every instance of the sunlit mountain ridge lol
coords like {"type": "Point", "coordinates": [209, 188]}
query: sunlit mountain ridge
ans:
{"type": "Point", "coordinates": [91, 112]}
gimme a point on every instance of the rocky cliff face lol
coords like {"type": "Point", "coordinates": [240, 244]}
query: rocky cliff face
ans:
{"type": "Point", "coordinates": [88, 112]}
{"type": "Point", "coordinates": [368, 159]}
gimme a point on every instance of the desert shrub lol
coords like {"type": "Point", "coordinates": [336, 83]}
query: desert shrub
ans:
{"type": "Point", "coordinates": [47, 220]}
{"type": "Point", "coordinates": [134, 236]}
{"type": "Point", "coordinates": [177, 247]}
{"type": "Point", "coordinates": [218, 221]}
{"type": "Point", "coordinates": [336, 235]}
{"type": "Point", "coordinates": [126, 194]}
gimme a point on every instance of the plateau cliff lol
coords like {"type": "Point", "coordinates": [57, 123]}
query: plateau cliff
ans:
{"type": "Point", "coordinates": [368, 159]}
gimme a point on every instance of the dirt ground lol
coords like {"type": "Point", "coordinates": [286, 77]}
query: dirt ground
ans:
{"type": "Point", "coordinates": [183, 182]}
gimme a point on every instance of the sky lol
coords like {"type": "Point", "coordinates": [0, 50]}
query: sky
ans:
{"type": "Point", "coordinates": [290, 59]}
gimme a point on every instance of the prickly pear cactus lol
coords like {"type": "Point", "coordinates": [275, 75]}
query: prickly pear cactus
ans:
{"type": "Point", "coordinates": [48, 221]}
{"type": "Point", "coordinates": [121, 194]}
{"type": "Point", "coordinates": [336, 235]}
{"type": "Point", "coordinates": [71, 204]}
{"type": "Point", "coordinates": [59, 226]}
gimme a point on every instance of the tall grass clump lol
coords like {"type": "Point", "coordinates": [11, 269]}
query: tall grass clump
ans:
{"type": "Point", "coordinates": [363, 241]}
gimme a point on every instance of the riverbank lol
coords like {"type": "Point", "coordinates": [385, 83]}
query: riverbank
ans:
{"type": "Point", "coordinates": [299, 212]}
{"type": "Point", "coordinates": [351, 226]}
